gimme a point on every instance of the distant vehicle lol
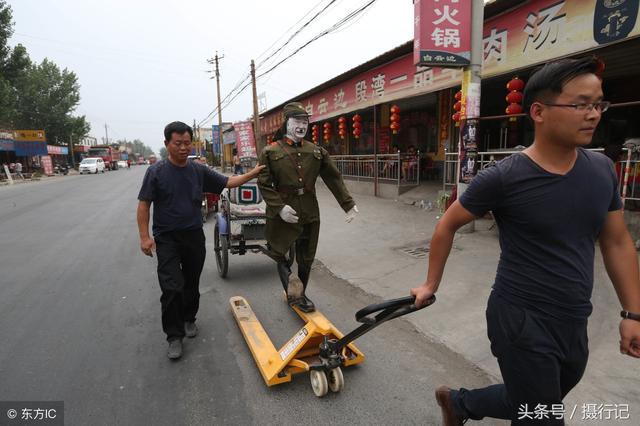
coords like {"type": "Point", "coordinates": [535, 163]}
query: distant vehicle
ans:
{"type": "Point", "coordinates": [109, 155]}
{"type": "Point", "coordinates": [91, 165]}
{"type": "Point", "coordinates": [122, 164]}
{"type": "Point", "coordinates": [140, 161]}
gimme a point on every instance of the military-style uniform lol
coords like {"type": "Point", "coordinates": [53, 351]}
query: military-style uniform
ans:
{"type": "Point", "coordinates": [289, 178]}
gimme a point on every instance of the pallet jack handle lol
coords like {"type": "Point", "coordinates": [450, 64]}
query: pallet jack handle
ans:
{"type": "Point", "coordinates": [387, 310]}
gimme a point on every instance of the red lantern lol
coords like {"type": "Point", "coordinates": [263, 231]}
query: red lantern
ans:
{"type": "Point", "coordinates": [457, 106]}
{"type": "Point", "coordinates": [515, 84]}
{"type": "Point", "coordinates": [314, 133]}
{"type": "Point", "coordinates": [514, 97]}
{"type": "Point", "coordinates": [458, 95]}
{"type": "Point", "coordinates": [514, 109]}
{"type": "Point", "coordinates": [357, 125]}
{"type": "Point", "coordinates": [456, 117]}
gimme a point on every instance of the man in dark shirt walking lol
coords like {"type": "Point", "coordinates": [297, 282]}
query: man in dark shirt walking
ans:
{"type": "Point", "coordinates": [551, 202]}
{"type": "Point", "coordinates": [175, 187]}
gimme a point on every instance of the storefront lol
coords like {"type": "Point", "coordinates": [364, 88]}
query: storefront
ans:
{"type": "Point", "coordinates": [7, 148]}
{"type": "Point", "coordinates": [518, 37]}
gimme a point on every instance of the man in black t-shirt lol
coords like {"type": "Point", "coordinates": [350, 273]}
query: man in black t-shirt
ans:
{"type": "Point", "coordinates": [175, 188]}
{"type": "Point", "coordinates": [551, 202]}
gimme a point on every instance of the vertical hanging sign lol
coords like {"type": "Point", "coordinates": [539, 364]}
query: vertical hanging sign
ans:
{"type": "Point", "coordinates": [442, 33]}
{"type": "Point", "coordinates": [245, 141]}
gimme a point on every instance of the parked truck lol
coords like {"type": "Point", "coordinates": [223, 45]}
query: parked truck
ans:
{"type": "Point", "coordinates": [109, 155]}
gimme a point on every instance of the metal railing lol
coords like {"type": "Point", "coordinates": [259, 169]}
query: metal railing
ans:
{"type": "Point", "coordinates": [401, 169]}
{"type": "Point", "coordinates": [627, 169]}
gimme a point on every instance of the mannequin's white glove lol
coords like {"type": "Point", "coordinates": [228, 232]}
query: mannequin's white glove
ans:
{"type": "Point", "coordinates": [288, 214]}
{"type": "Point", "coordinates": [351, 214]}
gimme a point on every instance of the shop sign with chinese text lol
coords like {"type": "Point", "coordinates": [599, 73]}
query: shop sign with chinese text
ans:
{"type": "Point", "coordinates": [442, 33]}
{"type": "Point", "coordinates": [245, 140]}
{"type": "Point", "coordinates": [542, 30]}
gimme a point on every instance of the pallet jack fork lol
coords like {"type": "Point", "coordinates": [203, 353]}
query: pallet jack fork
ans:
{"type": "Point", "coordinates": [318, 347]}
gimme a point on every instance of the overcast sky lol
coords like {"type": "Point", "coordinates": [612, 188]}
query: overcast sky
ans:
{"type": "Point", "coordinates": [142, 63]}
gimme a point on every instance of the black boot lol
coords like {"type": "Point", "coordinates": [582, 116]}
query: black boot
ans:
{"type": "Point", "coordinates": [304, 303]}
{"type": "Point", "coordinates": [291, 283]}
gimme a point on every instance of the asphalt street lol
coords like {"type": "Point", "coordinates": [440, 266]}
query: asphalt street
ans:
{"type": "Point", "coordinates": [81, 324]}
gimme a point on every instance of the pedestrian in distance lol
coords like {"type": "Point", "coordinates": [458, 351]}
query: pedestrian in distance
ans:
{"type": "Point", "coordinates": [287, 185]}
{"type": "Point", "coordinates": [18, 168]}
{"type": "Point", "coordinates": [237, 165]}
{"type": "Point", "coordinates": [551, 202]}
{"type": "Point", "coordinates": [175, 186]}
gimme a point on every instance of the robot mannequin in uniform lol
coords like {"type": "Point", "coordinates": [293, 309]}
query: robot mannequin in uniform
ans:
{"type": "Point", "coordinates": [287, 183]}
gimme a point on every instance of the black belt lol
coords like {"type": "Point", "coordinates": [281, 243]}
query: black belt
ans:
{"type": "Point", "coordinates": [294, 190]}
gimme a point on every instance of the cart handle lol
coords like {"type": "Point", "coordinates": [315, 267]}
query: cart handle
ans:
{"type": "Point", "coordinates": [392, 308]}
{"type": "Point", "coordinates": [387, 310]}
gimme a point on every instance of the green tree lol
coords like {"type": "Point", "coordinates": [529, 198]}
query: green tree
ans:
{"type": "Point", "coordinates": [46, 98]}
{"type": "Point", "coordinates": [36, 96]}
{"type": "Point", "coordinates": [163, 153]}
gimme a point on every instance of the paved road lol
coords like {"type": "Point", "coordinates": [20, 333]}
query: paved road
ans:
{"type": "Point", "coordinates": [81, 323]}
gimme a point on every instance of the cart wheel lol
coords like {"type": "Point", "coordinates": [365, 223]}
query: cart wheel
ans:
{"type": "Point", "coordinates": [292, 255]}
{"type": "Point", "coordinates": [319, 383]}
{"type": "Point", "coordinates": [336, 380]}
{"type": "Point", "coordinates": [221, 247]}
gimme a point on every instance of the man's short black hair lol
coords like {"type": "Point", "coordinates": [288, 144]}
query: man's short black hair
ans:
{"type": "Point", "coordinates": [547, 82]}
{"type": "Point", "coordinates": [176, 127]}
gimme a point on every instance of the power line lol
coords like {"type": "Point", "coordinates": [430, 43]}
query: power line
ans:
{"type": "Point", "coordinates": [298, 32]}
{"type": "Point", "coordinates": [329, 30]}
{"type": "Point", "coordinates": [213, 113]}
{"type": "Point", "coordinates": [334, 27]}
{"type": "Point", "coordinates": [289, 29]}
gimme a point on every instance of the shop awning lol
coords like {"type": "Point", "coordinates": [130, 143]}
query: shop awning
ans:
{"type": "Point", "coordinates": [29, 149]}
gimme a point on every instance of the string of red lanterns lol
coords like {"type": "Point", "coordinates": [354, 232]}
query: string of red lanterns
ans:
{"type": "Point", "coordinates": [342, 127]}
{"type": "Point", "coordinates": [357, 126]}
{"type": "Point", "coordinates": [327, 131]}
{"type": "Point", "coordinates": [457, 107]}
{"type": "Point", "coordinates": [395, 119]}
{"type": "Point", "coordinates": [314, 133]}
{"type": "Point", "coordinates": [514, 97]}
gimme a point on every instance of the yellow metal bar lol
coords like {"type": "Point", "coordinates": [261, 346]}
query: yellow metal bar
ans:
{"type": "Point", "coordinates": [278, 366]}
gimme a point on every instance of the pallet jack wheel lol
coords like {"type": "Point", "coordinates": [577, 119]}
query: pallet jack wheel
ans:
{"type": "Point", "coordinates": [319, 383]}
{"type": "Point", "coordinates": [336, 380]}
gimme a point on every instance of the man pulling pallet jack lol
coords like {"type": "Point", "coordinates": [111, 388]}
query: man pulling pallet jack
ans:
{"type": "Point", "coordinates": [287, 183]}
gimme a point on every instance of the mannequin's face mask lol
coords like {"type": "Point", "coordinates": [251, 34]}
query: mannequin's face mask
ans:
{"type": "Point", "coordinates": [297, 128]}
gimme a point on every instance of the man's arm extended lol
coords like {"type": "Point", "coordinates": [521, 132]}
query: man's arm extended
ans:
{"type": "Point", "coordinates": [441, 241]}
{"type": "Point", "coordinates": [147, 244]}
{"type": "Point", "coordinates": [621, 261]}
{"type": "Point", "coordinates": [235, 181]}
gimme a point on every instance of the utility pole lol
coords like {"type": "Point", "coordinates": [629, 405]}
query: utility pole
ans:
{"type": "Point", "coordinates": [73, 161]}
{"type": "Point", "coordinates": [217, 71]}
{"type": "Point", "coordinates": [195, 134]}
{"type": "Point", "coordinates": [471, 82]}
{"type": "Point", "coordinates": [256, 116]}
{"type": "Point", "coordinates": [106, 133]}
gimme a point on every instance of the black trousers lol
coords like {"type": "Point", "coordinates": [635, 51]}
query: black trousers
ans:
{"type": "Point", "coordinates": [181, 257]}
{"type": "Point", "coordinates": [541, 359]}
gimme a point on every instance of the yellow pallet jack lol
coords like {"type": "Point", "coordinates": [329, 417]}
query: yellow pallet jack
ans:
{"type": "Point", "coordinates": [318, 347]}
